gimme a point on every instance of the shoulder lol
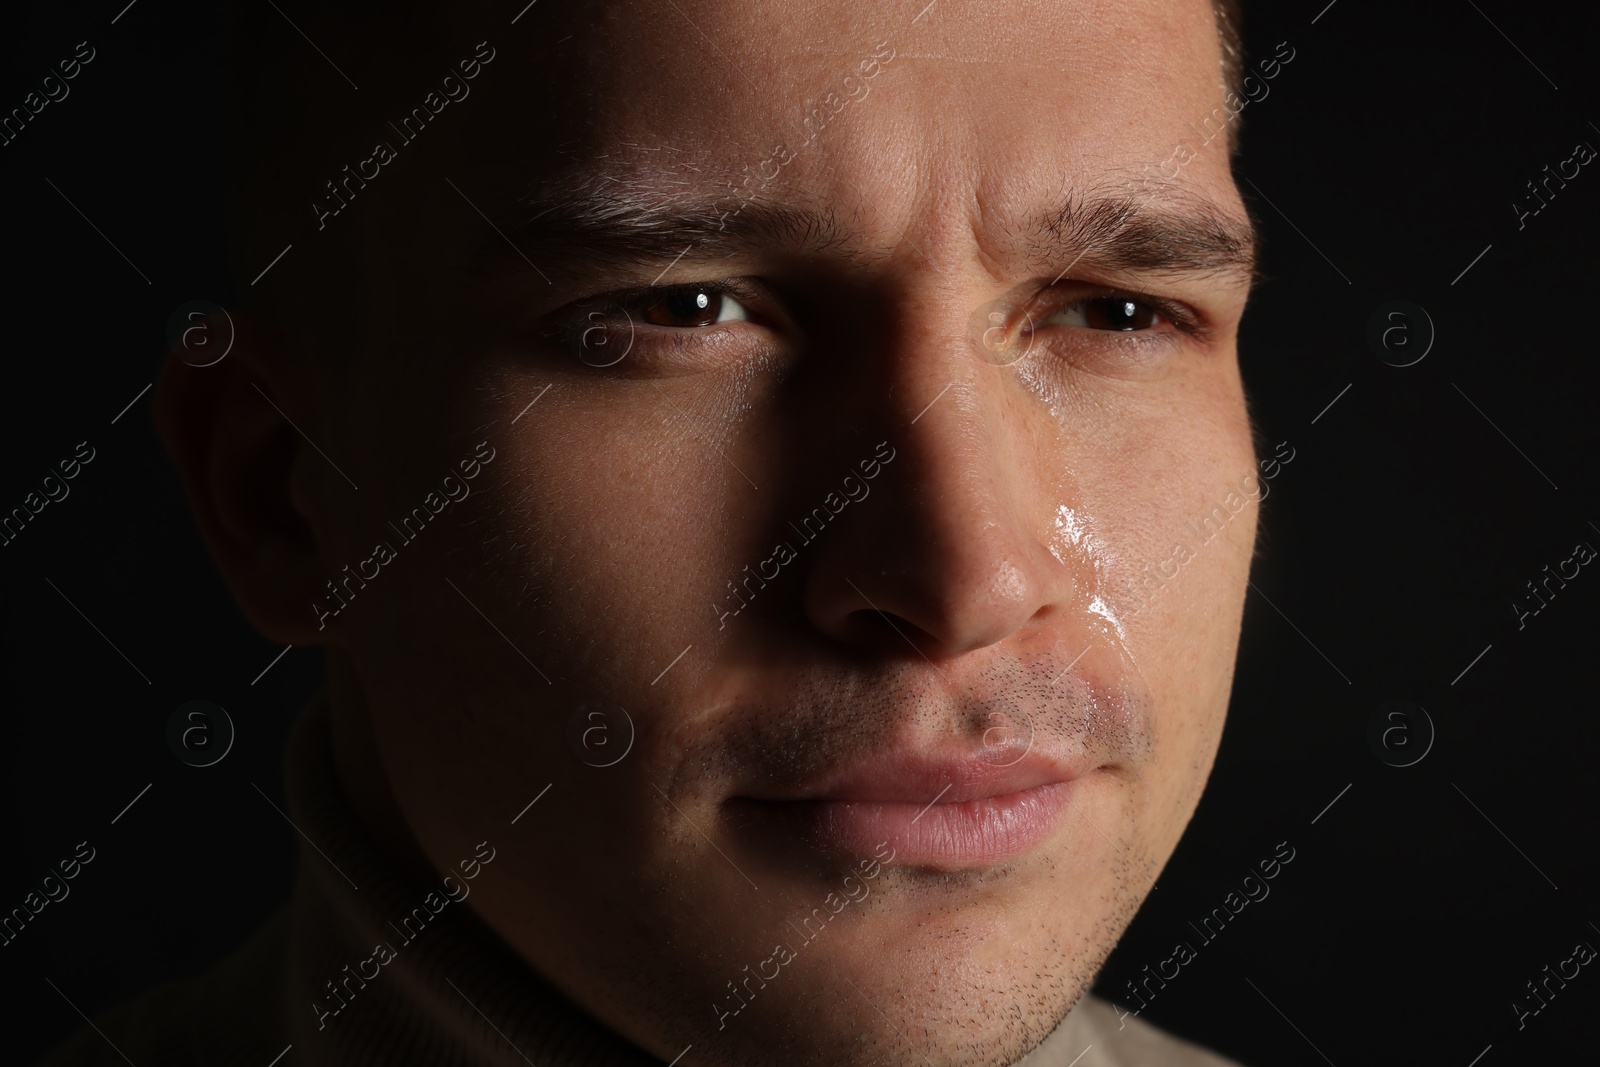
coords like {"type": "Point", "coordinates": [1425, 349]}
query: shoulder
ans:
{"type": "Point", "coordinates": [1120, 1039]}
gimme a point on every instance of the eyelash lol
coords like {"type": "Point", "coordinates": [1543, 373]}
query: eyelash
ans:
{"type": "Point", "coordinates": [634, 302]}
{"type": "Point", "coordinates": [1179, 316]}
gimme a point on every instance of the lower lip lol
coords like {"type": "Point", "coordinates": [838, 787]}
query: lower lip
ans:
{"type": "Point", "coordinates": [953, 836]}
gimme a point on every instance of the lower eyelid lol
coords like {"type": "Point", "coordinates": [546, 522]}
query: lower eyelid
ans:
{"type": "Point", "coordinates": [621, 332]}
{"type": "Point", "coordinates": [1117, 354]}
{"type": "Point", "coordinates": [668, 351]}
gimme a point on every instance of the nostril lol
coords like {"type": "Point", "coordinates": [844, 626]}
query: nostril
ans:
{"type": "Point", "coordinates": [889, 633]}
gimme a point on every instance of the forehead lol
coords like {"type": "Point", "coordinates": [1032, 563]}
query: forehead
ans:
{"type": "Point", "coordinates": [986, 108]}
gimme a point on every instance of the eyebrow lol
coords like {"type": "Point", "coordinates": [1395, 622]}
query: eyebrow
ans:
{"type": "Point", "coordinates": [1183, 234]}
{"type": "Point", "coordinates": [629, 228]}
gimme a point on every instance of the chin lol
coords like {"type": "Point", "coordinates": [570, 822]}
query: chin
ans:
{"type": "Point", "coordinates": [941, 997]}
{"type": "Point", "coordinates": [972, 967]}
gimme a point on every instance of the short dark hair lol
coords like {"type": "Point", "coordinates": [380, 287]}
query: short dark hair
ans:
{"type": "Point", "coordinates": [1230, 36]}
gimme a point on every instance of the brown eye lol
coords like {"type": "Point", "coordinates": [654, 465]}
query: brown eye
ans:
{"type": "Point", "coordinates": [1107, 313]}
{"type": "Point", "coordinates": [691, 307]}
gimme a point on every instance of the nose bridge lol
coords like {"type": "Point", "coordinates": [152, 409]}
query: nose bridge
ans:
{"type": "Point", "coordinates": [957, 543]}
{"type": "Point", "coordinates": [963, 439]}
{"type": "Point", "coordinates": [968, 474]}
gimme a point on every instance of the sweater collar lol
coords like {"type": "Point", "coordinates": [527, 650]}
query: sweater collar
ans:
{"type": "Point", "coordinates": [384, 968]}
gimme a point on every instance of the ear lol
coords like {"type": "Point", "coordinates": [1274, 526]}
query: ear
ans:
{"type": "Point", "coordinates": [243, 465]}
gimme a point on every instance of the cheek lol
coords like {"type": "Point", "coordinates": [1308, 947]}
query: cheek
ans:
{"type": "Point", "coordinates": [1175, 539]}
{"type": "Point", "coordinates": [627, 518]}
{"type": "Point", "coordinates": [1139, 474]}
{"type": "Point", "coordinates": [1196, 533]}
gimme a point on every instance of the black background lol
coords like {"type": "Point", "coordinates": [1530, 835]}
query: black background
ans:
{"type": "Point", "coordinates": [1391, 150]}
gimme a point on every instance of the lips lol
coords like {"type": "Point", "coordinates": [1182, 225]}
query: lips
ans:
{"type": "Point", "coordinates": [949, 814]}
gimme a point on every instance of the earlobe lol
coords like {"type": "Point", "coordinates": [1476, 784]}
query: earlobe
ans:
{"type": "Point", "coordinates": [226, 427]}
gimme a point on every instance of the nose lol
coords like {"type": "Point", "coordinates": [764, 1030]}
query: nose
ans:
{"type": "Point", "coordinates": [951, 553]}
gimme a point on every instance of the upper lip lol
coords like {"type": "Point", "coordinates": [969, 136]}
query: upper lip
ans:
{"type": "Point", "coordinates": [924, 748]}
{"type": "Point", "coordinates": [906, 776]}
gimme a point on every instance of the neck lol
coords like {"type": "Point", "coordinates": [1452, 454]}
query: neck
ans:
{"type": "Point", "coordinates": [359, 770]}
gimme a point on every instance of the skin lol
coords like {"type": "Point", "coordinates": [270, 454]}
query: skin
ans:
{"type": "Point", "coordinates": [1002, 540]}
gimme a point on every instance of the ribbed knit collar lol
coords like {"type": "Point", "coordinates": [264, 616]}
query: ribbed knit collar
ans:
{"type": "Point", "coordinates": [450, 992]}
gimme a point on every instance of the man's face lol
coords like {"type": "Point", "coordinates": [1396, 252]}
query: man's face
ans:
{"type": "Point", "coordinates": [870, 531]}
